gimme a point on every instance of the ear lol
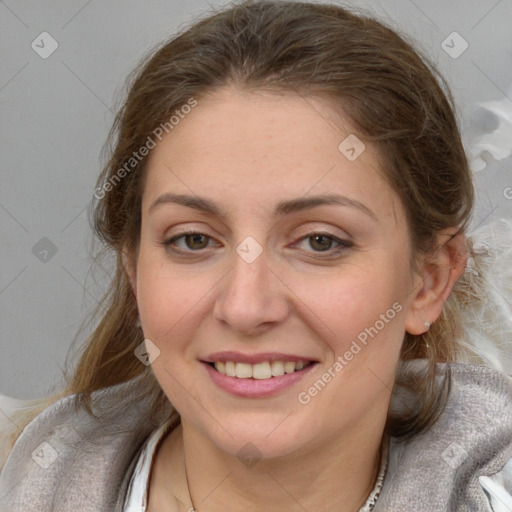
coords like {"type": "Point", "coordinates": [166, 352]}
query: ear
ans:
{"type": "Point", "coordinates": [129, 265]}
{"type": "Point", "coordinates": [435, 280]}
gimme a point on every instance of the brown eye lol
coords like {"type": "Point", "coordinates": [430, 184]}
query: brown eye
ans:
{"type": "Point", "coordinates": [196, 241]}
{"type": "Point", "coordinates": [188, 242]}
{"type": "Point", "coordinates": [320, 242]}
{"type": "Point", "coordinates": [324, 243]}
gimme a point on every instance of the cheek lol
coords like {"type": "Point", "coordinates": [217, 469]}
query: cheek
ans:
{"type": "Point", "coordinates": [167, 298]}
{"type": "Point", "coordinates": [360, 317]}
{"type": "Point", "coordinates": [175, 306]}
{"type": "Point", "coordinates": [351, 301]}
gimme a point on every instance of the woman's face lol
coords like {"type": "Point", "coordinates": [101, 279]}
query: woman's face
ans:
{"type": "Point", "coordinates": [301, 257]}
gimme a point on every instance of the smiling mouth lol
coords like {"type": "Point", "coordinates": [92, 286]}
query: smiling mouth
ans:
{"type": "Point", "coordinates": [259, 371]}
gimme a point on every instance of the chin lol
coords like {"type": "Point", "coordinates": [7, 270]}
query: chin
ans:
{"type": "Point", "coordinates": [259, 437]}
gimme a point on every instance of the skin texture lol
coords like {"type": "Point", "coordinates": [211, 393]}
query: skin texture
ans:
{"type": "Point", "coordinates": [247, 151]}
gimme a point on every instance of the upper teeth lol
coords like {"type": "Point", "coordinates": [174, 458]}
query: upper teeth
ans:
{"type": "Point", "coordinates": [264, 370]}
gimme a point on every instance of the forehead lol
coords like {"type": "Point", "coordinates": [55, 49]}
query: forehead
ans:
{"type": "Point", "coordinates": [256, 148]}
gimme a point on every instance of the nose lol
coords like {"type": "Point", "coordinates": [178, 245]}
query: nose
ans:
{"type": "Point", "coordinates": [252, 297]}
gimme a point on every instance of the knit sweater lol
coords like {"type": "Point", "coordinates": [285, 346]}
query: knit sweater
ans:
{"type": "Point", "coordinates": [66, 460]}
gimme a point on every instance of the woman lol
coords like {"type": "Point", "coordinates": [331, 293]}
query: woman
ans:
{"type": "Point", "coordinates": [287, 198]}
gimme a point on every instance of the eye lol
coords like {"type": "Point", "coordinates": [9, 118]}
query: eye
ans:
{"type": "Point", "coordinates": [323, 242]}
{"type": "Point", "coordinates": [193, 240]}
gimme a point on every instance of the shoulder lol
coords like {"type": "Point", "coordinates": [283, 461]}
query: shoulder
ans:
{"type": "Point", "coordinates": [441, 468]}
{"type": "Point", "coordinates": [68, 458]}
{"type": "Point", "coordinates": [486, 393]}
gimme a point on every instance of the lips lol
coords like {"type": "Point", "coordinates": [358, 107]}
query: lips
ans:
{"type": "Point", "coordinates": [256, 375]}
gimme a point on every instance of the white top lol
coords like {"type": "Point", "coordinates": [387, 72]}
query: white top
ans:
{"type": "Point", "coordinates": [137, 495]}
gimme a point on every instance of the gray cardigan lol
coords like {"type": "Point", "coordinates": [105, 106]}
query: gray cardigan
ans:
{"type": "Point", "coordinates": [66, 460]}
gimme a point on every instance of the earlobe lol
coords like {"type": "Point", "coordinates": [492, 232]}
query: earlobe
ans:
{"type": "Point", "coordinates": [436, 280]}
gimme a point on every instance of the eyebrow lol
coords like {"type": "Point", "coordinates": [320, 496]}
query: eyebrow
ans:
{"type": "Point", "coordinates": [282, 208]}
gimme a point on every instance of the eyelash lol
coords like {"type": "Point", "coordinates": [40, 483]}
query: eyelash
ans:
{"type": "Point", "coordinates": [343, 246]}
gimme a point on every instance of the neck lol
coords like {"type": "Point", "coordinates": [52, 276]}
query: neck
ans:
{"type": "Point", "coordinates": [334, 475]}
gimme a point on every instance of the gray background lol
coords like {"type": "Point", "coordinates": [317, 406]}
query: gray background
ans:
{"type": "Point", "coordinates": [56, 112]}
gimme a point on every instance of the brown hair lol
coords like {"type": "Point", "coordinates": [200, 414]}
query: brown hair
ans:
{"type": "Point", "coordinates": [393, 97]}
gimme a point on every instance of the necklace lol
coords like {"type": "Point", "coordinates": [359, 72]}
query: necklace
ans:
{"type": "Point", "coordinates": [384, 461]}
